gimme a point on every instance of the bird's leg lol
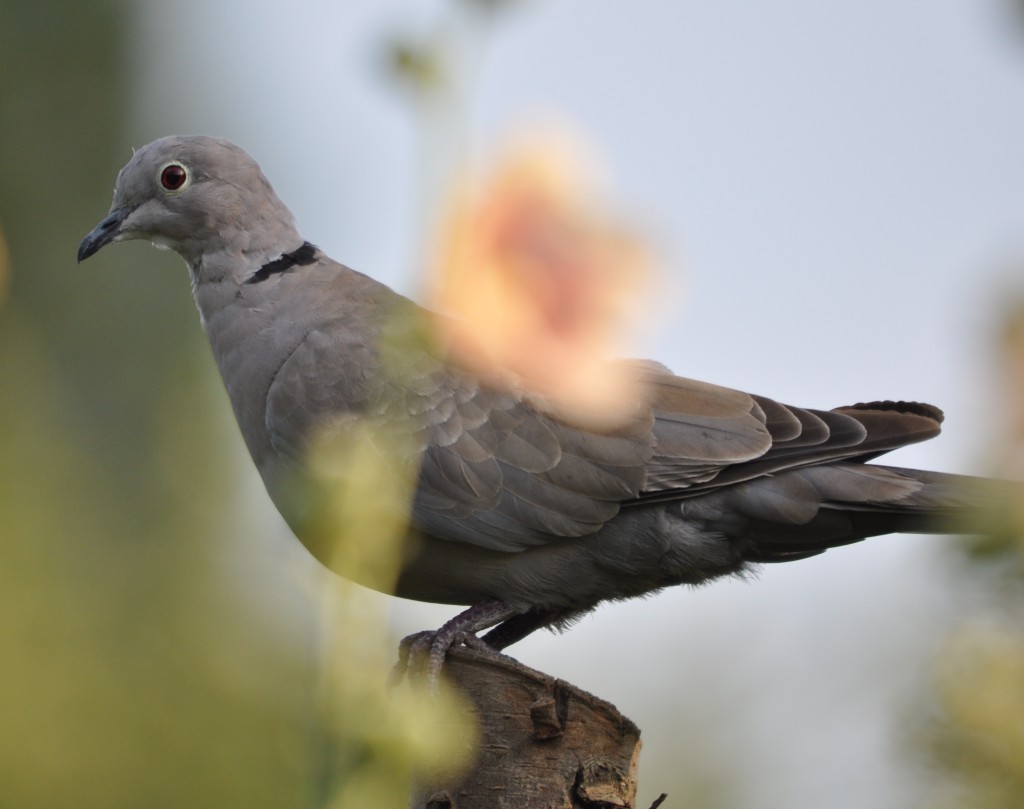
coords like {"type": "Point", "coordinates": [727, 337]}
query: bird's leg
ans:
{"type": "Point", "coordinates": [462, 628]}
{"type": "Point", "coordinates": [518, 627]}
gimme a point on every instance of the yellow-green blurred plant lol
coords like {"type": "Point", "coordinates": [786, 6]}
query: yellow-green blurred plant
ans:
{"type": "Point", "coordinates": [430, 64]}
{"type": "Point", "coordinates": [382, 737]}
{"type": "Point", "coordinates": [979, 739]}
{"type": "Point", "coordinates": [976, 736]}
{"type": "Point", "coordinates": [1008, 451]}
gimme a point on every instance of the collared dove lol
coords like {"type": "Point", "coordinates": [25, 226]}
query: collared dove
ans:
{"type": "Point", "coordinates": [525, 516]}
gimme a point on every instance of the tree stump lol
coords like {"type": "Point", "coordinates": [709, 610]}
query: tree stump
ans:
{"type": "Point", "coordinates": [543, 743]}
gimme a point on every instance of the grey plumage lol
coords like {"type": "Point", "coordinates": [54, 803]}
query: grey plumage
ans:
{"type": "Point", "coordinates": [514, 506]}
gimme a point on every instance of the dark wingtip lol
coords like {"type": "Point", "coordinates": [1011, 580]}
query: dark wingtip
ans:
{"type": "Point", "coordinates": [912, 408]}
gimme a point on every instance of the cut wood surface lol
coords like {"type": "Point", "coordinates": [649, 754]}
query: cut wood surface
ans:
{"type": "Point", "coordinates": [543, 743]}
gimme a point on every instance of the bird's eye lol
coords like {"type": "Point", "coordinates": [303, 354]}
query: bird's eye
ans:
{"type": "Point", "coordinates": [173, 177]}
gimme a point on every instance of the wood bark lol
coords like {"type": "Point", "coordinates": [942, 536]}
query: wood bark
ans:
{"type": "Point", "coordinates": [543, 743]}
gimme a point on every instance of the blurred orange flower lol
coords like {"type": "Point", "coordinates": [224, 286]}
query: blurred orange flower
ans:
{"type": "Point", "coordinates": [540, 281]}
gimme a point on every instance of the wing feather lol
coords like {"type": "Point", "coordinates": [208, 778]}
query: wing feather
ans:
{"type": "Point", "coordinates": [498, 470]}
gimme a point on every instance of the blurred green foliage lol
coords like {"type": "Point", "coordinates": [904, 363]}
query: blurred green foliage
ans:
{"type": "Point", "coordinates": [130, 674]}
{"type": "Point", "coordinates": [425, 63]}
{"type": "Point", "coordinates": [153, 654]}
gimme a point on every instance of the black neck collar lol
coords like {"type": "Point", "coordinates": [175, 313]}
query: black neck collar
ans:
{"type": "Point", "coordinates": [299, 257]}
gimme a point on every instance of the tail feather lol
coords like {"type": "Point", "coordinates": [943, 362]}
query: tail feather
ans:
{"type": "Point", "coordinates": [806, 511]}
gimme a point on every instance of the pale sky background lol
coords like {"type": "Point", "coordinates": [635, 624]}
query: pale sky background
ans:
{"type": "Point", "coordinates": [840, 190]}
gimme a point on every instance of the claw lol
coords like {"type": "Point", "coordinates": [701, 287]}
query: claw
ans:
{"type": "Point", "coordinates": [410, 653]}
{"type": "Point", "coordinates": [422, 654]}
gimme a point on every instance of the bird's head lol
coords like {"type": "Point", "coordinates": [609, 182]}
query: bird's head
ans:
{"type": "Point", "coordinates": [202, 197]}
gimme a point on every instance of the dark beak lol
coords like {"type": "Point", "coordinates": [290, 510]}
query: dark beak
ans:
{"type": "Point", "coordinates": [104, 233]}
